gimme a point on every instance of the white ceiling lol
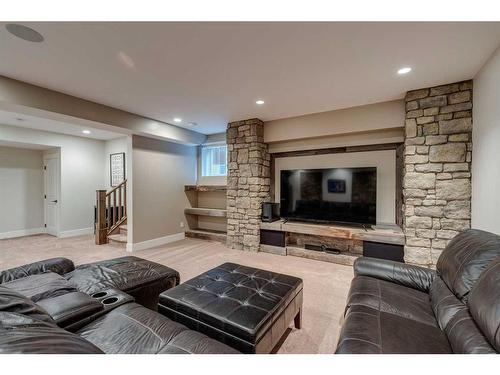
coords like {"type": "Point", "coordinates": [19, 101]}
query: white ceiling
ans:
{"type": "Point", "coordinates": [39, 123]}
{"type": "Point", "coordinates": [212, 73]}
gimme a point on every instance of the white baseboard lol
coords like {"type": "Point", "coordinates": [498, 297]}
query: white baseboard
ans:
{"type": "Point", "coordinates": [76, 232]}
{"type": "Point", "coordinates": [22, 233]}
{"type": "Point", "coordinates": [155, 242]}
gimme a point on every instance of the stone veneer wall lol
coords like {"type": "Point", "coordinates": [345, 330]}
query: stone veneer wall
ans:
{"type": "Point", "coordinates": [437, 174]}
{"type": "Point", "coordinates": [248, 183]}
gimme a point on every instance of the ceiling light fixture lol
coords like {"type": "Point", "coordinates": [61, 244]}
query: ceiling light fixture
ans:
{"type": "Point", "coordinates": [20, 119]}
{"type": "Point", "coordinates": [24, 32]}
{"type": "Point", "coordinates": [192, 124]}
{"type": "Point", "coordinates": [404, 70]}
{"type": "Point", "coordinates": [177, 119]}
{"type": "Point", "coordinates": [259, 102]}
{"type": "Point", "coordinates": [86, 131]}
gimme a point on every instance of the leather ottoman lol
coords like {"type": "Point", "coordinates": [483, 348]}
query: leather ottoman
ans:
{"type": "Point", "coordinates": [246, 308]}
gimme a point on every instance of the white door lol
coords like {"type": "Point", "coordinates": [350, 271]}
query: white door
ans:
{"type": "Point", "coordinates": [51, 176]}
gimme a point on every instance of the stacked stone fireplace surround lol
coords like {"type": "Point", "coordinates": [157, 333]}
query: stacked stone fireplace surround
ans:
{"type": "Point", "coordinates": [248, 183]}
{"type": "Point", "coordinates": [437, 174]}
{"type": "Point", "coordinates": [437, 169]}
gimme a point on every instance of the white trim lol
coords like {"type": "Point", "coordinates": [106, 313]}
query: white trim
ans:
{"type": "Point", "coordinates": [155, 242]}
{"type": "Point", "coordinates": [76, 232]}
{"type": "Point", "coordinates": [22, 233]}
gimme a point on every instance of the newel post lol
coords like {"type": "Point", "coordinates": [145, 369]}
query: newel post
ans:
{"type": "Point", "coordinates": [101, 229]}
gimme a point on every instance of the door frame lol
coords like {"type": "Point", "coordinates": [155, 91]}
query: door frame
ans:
{"type": "Point", "coordinates": [48, 155]}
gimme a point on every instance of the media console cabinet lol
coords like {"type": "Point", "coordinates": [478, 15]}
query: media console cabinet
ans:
{"type": "Point", "coordinates": [332, 243]}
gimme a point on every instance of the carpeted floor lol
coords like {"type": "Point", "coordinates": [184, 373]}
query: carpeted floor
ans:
{"type": "Point", "coordinates": [325, 284]}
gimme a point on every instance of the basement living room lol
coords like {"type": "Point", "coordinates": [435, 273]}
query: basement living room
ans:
{"type": "Point", "coordinates": [199, 202]}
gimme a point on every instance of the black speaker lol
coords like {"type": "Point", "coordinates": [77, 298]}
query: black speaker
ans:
{"type": "Point", "coordinates": [272, 237]}
{"type": "Point", "coordinates": [270, 212]}
{"type": "Point", "coordinates": [383, 251]}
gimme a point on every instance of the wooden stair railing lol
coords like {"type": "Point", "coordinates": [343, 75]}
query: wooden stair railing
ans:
{"type": "Point", "coordinates": [111, 211]}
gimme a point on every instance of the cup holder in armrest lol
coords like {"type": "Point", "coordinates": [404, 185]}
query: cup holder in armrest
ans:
{"type": "Point", "coordinates": [110, 300]}
{"type": "Point", "coordinates": [99, 294]}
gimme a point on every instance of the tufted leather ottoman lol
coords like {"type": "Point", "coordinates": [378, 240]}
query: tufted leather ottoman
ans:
{"type": "Point", "coordinates": [243, 307]}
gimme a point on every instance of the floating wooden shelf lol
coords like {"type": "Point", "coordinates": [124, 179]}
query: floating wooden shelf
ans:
{"type": "Point", "coordinates": [214, 212]}
{"type": "Point", "coordinates": [389, 233]}
{"type": "Point", "coordinates": [205, 188]}
{"type": "Point", "coordinates": [342, 258]}
{"type": "Point", "coordinates": [206, 234]}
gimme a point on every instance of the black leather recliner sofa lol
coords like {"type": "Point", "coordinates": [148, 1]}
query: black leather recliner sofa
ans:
{"type": "Point", "coordinates": [142, 279]}
{"type": "Point", "coordinates": [398, 308]}
{"type": "Point", "coordinates": [53, 307]}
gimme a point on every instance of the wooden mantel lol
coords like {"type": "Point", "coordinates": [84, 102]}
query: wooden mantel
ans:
{"type": "Point", "coordinates": [384, 233]}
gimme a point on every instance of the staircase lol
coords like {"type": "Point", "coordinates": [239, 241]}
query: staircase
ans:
{"type": "Point", "coordinates": [111, 218]}
{"type": "Point", "coordinates": [121, 236]}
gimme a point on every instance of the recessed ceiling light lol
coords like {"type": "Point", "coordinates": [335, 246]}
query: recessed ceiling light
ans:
{"type": "Point", "coordinates": [86, 131]}
{"type": "Point", "coordinates": [24, 32]}
{"type": "Point", "coordinates": [404, 70]}
{"type": "Point", "coordinates": [259, 102]}
{"type": "Point", "coordinates": [20, 119]}
{"type": "Point", "coordinates": [177, 119]}
{"type": "Point", "coordinates": [192, 124]}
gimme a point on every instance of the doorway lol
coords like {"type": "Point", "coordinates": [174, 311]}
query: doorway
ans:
{"type": "Point", "coordinates": [51, 174]}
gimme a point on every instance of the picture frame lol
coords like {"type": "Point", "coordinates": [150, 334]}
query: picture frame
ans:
{"type": "Point", "coordinates": [336, 186]}
{"type": "Point", "coordinates": [116, 168]}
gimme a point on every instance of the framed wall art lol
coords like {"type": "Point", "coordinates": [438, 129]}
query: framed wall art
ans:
{"type": "Point", "coordinates": [117, 168]}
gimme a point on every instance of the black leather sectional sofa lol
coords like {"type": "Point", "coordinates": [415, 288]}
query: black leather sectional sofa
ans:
{"type": "Point", "coordinates": [104, 307]}
{"type": "Point", "coordinates": [398, 308]}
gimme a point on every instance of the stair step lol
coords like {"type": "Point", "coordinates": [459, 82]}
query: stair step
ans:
{"type": "Point", "coordinates": [123, 229]}
{"type": "Point", "coordinates": [118, 238]}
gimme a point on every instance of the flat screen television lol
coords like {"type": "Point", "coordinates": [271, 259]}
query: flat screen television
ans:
{"type": "Point", "coordinates": [336, 195]}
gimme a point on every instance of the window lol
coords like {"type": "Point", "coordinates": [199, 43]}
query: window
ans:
{"type": "Point", "coordinates": [214, 160]}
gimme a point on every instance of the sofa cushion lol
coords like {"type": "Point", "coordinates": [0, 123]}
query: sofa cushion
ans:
{"type": "Point", "coordinates": [24, 334]}
{"type": "Point", "coordinates": [17, 304]}
{"type": "Point", "coordinates": [131, 328]}
{"type": "Point", "coordinates": [372, 331]}
{"type": "Point", "coordinates": [484, 303]}
{"type": "Point", "coordinates": [444, 303]}
{"type": "Point", "coordinates": [391, 298]}
{"type": "Point", "coordinates": [41, 286]}
{"type": "Point", "coordinates": [142, 279]}
{"type": "Point", "coordinates": [56, 265]}
{"type": "Point", "coordinates": [465, 258]}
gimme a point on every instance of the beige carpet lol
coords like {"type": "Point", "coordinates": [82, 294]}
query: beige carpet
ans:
{"type": "Point", "coordinates": [325, 284]}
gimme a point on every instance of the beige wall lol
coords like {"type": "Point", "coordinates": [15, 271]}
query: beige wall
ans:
{"type": "Point", "coordinates": [351, 120]}
{"type": "Point", "coordinates": [82, 166]}
{"type": "Point", "coordinates": [486, 147]}
{"type": "Point", "coordinates": [393, 135]}
{"type": "Point", "coordinates": [21, 191]}
{"type": "Point", "coordinates": [385, 161]}
{"type": "Point", "coordinates": [159, 172]}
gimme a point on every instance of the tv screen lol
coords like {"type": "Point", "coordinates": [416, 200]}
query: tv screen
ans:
{"type": "Point", "coordinates": [336, 195]}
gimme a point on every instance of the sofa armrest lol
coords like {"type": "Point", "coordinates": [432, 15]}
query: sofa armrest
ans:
{"type": "Point", "coordinates": [400, 273]}
{"type": "Point", "coordinates": [57, 265]}
{"type": "Point", "coordinates": [71, 307]}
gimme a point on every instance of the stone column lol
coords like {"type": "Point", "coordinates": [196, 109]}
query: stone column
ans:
{"type": "Point", "coordinates": [437, 175]}
{"type": "Point", "coordinates": [248, 183]}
